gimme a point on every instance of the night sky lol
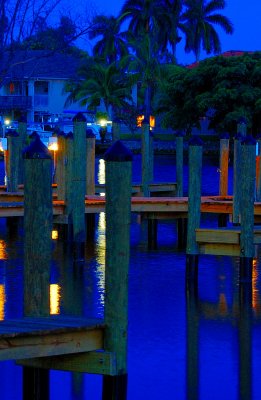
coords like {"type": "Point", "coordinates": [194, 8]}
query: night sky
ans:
{"type": "Point", "coordinates": [245, 16]}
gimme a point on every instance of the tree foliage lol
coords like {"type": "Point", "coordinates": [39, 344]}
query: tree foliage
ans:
{"type": "Point", "coordinates": [222, 88]}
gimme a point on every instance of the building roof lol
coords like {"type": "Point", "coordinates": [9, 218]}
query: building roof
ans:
{"type": "Point", "coordinates": [226, 54]}
{"type": "Point", "coordinates": [41, 64]}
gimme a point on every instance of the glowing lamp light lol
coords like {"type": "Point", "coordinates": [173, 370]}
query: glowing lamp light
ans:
{"type": "Point", "coordinates": [3, 144]}
{"type": "Point", "coordinates": [55, 299]}
{"type": "Point", "coordinates": [53, 143]}
{"type": "Point", "coordinates": [7, 122]}
{"type": "Point", "coordinates": [103, 122]}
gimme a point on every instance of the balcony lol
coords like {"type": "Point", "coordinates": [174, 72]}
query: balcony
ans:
{"type": "Point", "coordinates": [15, 102]}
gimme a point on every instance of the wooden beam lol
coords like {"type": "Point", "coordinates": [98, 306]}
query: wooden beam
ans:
{"type": "Point", "coordinates": [93, 362]}
{"type": "Point", "coordinates": [42, 337]}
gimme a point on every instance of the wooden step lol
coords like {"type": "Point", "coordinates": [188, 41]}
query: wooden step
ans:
{"type": "Point", "coordinates": [49, 336]}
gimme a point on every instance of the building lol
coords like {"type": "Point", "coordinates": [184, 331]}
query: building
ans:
{"type": "Point", "coordinates": [34, 83]}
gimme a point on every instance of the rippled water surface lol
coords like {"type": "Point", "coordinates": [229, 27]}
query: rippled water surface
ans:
{"type": "Point", "coordinates": [204, 345]}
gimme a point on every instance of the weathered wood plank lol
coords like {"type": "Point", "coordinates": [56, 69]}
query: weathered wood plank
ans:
{"type": "Point", "coordinates": [41, 337]}
{"type": "Point", "coordinates": [93, 362]}
{"type": "Point", "coordinates": [219, 249]}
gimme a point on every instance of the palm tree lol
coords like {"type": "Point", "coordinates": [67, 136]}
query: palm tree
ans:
{"type": "Point", "coordinates": [199, 18]}
{"type": "Point", "coordinates": [170, 36]}
{"type": "Point", "coordinates": [101, 84]}
{"type": "Point", "coordinates": [112, 45]}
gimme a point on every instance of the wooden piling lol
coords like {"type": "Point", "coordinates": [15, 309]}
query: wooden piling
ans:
{"type": "Point", "coordinates": [181, 222]}
{"type": "Point", "coordinates": [146, 158]}
{"type": "Point", "coordinates": [242, 126]}
{"type": "Point", "coordinates": [194, 203]}
{"type": "Point", "coordinates": [37, 252]}
{"type": "Point", "coordinates": [90, 162]}
{"type": "Point", "coordinates": [179, 163]}
{"type": "Point", "coordinates": [12, 160]}
{"type": "Point", "coordinates": [258, 169]}
{"type": "Point", "coordinates": [90, 179]}
{"type": "Point", "coordinates": [118, 211]}
{"type": "Point", "coordinates": [23, 139]}
{"type": "Point", "coordinates": [245, 341]}
{"type": "Point", "coordinates": [192, 342]}
{"type": "Point", "coordinates": [223, 171]}
{"type": "Point", "coordinates": [116, 130]}
{"type": "Point", "coordinates": [76, 185]}
{"type": "Point", "coordinates": [247, 208]}
{"type": "Point", "coordinates": [237, 178]}
{"type": "Point", "coordinates": [60, 166]}
{"type": "Point", "coordinates": [223, 164]}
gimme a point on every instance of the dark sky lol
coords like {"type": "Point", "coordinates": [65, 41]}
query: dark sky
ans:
{"type": "Point", "coordinates": [245, 16]}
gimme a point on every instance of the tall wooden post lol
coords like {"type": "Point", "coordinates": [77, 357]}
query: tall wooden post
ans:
{"type": "Point", "coordinates": [223, 164]}
{"type": "Point", "coordinates": [237, 178]}
{"type": "Point", "coordinates": [192, 345]}
{"type": "Point", "coordinates": [22, 130]}
{"type": "Point", "coordinates": [90, 179]}
{"type": "Point", "coordinates": [12, 161]}
{"type": "Point", "coordinates": [118, 211]}
{"type": "Point", "coordinates": [258, 168]}
{"type": "Point", "coordinates": [194, 204]}
{"type": "Point", "coordinates": [60, 166]}
{"type": "Point", "coordinates": [116, 130]}
{"type": "Point", "coordinates": [223, 170]}
{"type": "Point", "coordinates": [245, 341]}
{"type": "Point", "coordinates": [146, 158]}
{"type": "Point", "coordinates": [242, 126]}
{"type": "Point", "coordinates": [38, 216]}
{"type": "Point", "coordinates": [181, 222]}
{"type": "Point", "coordinates": [179, 163]}
{"type": "Point", "coordinates": [78, 182]}
{"type": "Point", "coordinates": [90, 162]}
{"type": "Point", "coordinates": [247, 208]}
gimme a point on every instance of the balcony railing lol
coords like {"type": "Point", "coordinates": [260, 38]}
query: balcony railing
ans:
{"type": "Point", "coordinates": [15, 102]}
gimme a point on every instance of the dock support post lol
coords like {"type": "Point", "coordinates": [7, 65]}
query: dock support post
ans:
{"type": "Point", "coordinates": [118, 211]}
{"type": "Point", "coordinates": [75, 186]}
{"type": "Point", "coordinates": [90, 179]}
{"type": "Point", "coordinates": [147, 177]}
{"type": "Point", "coordinates": [258, 169]}
{"type": "Point", "coordinates": [192, 345]}
{"type": "Point", "coordinates": [116, 125]}
{"type": "Point", "coordinates": [223, 170]}
{"type": "Point", "coordinates": [245, 341]}
{"type": "Point", "coordinates": [38, 216]}
{"type": "Point", "coordinates": [194, 204]}
{"type": "Point", "coordinates": [22, 130]}
{"type": "Point", "coordinates": [181, 222]}
{"type": "Point", "coordinates": [247, 208]}
{"type": "Point", "coordinates": [236, 179]}
{"type": "Point", "coordinates": [12, 161]}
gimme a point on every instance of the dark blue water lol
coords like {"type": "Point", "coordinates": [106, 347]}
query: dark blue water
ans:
{"type": "Point", "coordinates": [177, 347]}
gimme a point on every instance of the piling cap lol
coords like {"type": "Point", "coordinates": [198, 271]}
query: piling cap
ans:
{"type": "Point", "coordinates": [118, 152]}
{"type": "Point", "coordinates": [90, 134]}
{"type": "Point", "coordinates": [224, 135]}
{"type": "Point", "coordinates": [11, 133]}
{"type": "Point", "coordinates": [79, 117]}
{"type": "Point", "coordinates": [248, 140]}
{"type": "Point", "coordinates": [36, 150]}
{"type": "Point", "coordinates": [195, 141]}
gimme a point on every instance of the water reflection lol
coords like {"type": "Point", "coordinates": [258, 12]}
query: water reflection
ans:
{"type": "Point", "coordinates": [2, 302]}
{"type": "Point", "coordinates": [55, 299]}
{"type": "Point", "coordinates": [101, 251]}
